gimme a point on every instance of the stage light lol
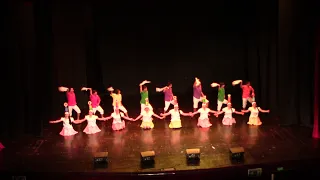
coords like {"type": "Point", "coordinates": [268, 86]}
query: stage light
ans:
{"type": "Point", "coordinates": [193, 157]}
{"type": "Point", "coordinates": [147, 159]}
{"type": "Point", "coordinates": [100, 160]}
{"type": "Point", "coordinates": [237, 154]}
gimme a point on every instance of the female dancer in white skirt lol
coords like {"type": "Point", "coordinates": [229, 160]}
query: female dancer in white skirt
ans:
{"type": "Point", "coordinates": [228, 120]}
{"type": "Point", "coordinates": [118, 123]}
{"type": "Point", "coordinates": [203, 120]}
{"type": "Point", "coordinates": [91, 127]}
{"type": "Point", "coordinates": [67, 120]}
{"type": "Point", "coordinates": [146, 116]}
{"type": "Point", "coordinates": [175, 117]}
{"type": "Point", "coordinates": [254, 115]}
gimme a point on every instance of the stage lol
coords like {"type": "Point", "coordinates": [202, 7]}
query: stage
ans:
{"type": "Point", "coordinates": [269, 146]}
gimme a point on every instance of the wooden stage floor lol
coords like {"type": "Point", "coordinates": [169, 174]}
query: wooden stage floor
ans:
{"type": "Point", "coordinates": [268, 143]}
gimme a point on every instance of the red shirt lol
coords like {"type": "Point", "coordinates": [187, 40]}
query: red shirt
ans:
{"type": "Point", "coordinates": [246, 91]}
{"type": "Point", "coordinates": [95, 100]}
{"type": "Point", "coordinates": [71, 96]}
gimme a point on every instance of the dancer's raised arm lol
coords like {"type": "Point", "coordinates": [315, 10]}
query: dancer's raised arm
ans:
{"type": "Point", "coordinates": [63, 89]}
{"type": "Point", "coordinates": [215, 85]}
{"type": "Point", "coordinates": [143, 83]}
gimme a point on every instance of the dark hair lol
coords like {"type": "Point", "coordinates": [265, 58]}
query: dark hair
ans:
{"type": "Point", "coordinates": [69, 89]}
{"type": "Point", "coordinates": [94, 91]}
{"type": "Point", "coordinates": [70, 122]}
{"type": "Point", "coordinates": [144, 87]}
{"type": "Point", "coordinates": [221, 83]}
{"type": "Point", "coordinates": [117, 91]}
{"type": "Point", "coordinates": [169, 83]}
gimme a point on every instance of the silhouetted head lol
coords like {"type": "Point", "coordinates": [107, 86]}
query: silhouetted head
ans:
{"type": "Point", "coordinates": [169, 84]}
{"type": "Point", "coordinates": [248, 83]}
{"type": "Point", "coordinates": [71, 90]}
{"type": "Point", "coordinates": [222, 85]}
{"type": "Point", "coordinates": [95, 92]}
{"type": "Point", "coordinates": [117, 91]}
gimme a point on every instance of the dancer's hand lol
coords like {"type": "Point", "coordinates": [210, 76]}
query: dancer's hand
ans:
{"type": "Point", "coordinates": [242, 113]}
{"type": "Point", "coordinates": [268, 111]}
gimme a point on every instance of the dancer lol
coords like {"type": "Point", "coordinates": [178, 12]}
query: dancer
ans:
{"type": "Point", "coordinates": [198, 95]}
{"type": "Point", "coordinates": [247, 92]}
{"type": "Point", "coordinates": [117, 100]}
{"type": "Point", "coordinates": [221, 95]}
{"type": "Point", "coordinates": [95, 100]}
{"type": "Point", "coordinates": [91, 127]}
{"type": "Point", "coordinates": [228, 120]}
{"type": "Point", "coordinates": [144, 94]}
{"type": "Point", "coordinates": [168, 96]}
{"type": "Point", "coordinates": [254, 115]}
{"type": "Point", "coordinates": [72, 102]}
{"type": "Point", "coordinates": [118, 123]}
{"type": "Point", "coordinates": [67, 120]}
{"type": "Point", "coordinates": [146, 116]}
{"type": "Point", "coordinates": [203, 120]}
{"type": "Point", "coordinates": [175, 117]}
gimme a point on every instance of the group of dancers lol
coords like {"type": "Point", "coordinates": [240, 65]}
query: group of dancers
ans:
{"type": "Point", "coordinates": [147, 113]}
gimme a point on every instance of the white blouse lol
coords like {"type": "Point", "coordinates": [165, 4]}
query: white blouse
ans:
{"type": "Point", "coordinates": [66, 122]}
{"type": "Point", "coordinates": [117, 117]}
{"type": "Point", "coordinates": [254, 111]}
{"type": "Point", "coordinates": [228, 112]}
{"type": "Point", "coordinates": [147, 116]}
{"type": "Point", "coordinates": [91, 120]}
{"type": "Point", "coordinates": [204, 113]}
{"type": "Point", "coordinates": [175, 115]}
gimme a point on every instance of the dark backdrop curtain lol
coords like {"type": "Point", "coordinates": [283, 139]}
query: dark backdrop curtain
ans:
{"type": "Point", "coordinates": [27, 37]}
{"type": "Point", "coordinates": [97, 44]}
